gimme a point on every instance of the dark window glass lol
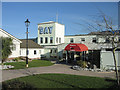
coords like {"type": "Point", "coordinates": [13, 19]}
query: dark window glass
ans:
{"type": "Point", "coordinates": [59, 40]}
{"type": "Point", "coordinates": [94, 40]}
{"type": "Point", "coordinates": [41, 40]}
{"type": "Point", "coordinates": [46, 40]}
{"type": "Point", "coordinates": [82, 39]}
{"type": "Point", "coordinates": [35, 52]}
{"type": "Point", "coordinates": [107, 40]}
{"type": "Point", "coordinates": [119, 39]}
{"type": "Point", "coordinates": [71, 40]}
{"type": "Point", "coordinates": [51, 39]}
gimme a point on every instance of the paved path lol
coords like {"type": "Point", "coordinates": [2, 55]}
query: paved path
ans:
{"type": "Point", "coordinates": [57, 68]}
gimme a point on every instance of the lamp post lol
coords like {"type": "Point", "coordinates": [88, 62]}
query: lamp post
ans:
{"type": "Point", "coordinates": [27, 23]}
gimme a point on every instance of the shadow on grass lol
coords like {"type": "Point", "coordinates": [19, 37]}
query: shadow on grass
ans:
{"type": "Point", "coordinates": [114, 85]}
{"type": "Point", "coordinates": [60, 82]}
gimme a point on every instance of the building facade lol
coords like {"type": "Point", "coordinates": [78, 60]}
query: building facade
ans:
{"type": "Point", "coordinates": [16, 43]}
{"type": "Point", "coordinates": [54, 42]}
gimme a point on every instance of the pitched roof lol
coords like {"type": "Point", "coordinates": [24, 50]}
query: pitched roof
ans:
{"type": "Point", "coordinates": [8, 34]}
{"type": "Point", "coordinates": [31, 44]}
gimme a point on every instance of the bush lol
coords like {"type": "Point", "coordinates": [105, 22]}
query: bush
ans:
{"type": "Point", "coordinates": [15, 84]}
{"type": "Point", "coordinates": [82, 64]}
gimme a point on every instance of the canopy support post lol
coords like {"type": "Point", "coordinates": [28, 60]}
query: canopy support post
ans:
{"type": "Point", "coordinates": [66, 57]}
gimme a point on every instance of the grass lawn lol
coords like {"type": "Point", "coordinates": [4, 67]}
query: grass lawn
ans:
{"type": "Point", "coordinates": [33, 63]}
{"type": "Point", "coordinates": [66, 81]}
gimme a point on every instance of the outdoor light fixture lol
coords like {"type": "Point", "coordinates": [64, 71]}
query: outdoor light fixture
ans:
{"type": "Point", "coordinates": [27, 23]}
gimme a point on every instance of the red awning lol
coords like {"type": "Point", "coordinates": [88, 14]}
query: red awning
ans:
{"type": "Point", "coordinates": [76, 47]}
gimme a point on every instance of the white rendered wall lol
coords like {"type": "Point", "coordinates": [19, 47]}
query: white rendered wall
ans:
{"type": "Point", "coordinates": [77, 39]}
{"type": "Point", "coordinates": [16, 42]}
{"type": "Point", "coordinates": [47, 35]}
{"type": "Point", "coordinates": [31, 54]}
{"type": "Point", "coordinates": [57, 31]}
{"type": "Point", "coordinates": [107, 60]}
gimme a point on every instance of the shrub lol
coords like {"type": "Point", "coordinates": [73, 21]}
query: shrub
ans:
{"type": "Point", "coordinates": [15, 84]}
{"type": "Point", "coordinates": [82, 64]}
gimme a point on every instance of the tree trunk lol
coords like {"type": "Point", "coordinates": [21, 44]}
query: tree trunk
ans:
{"type": "Point", "coordinates": [116, 69]}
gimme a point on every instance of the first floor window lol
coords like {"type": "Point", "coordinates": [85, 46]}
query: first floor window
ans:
{"type": "Point", "coordinates": [59, 40]}
{"type": "Point", "coordinates": [119, 39]}
{"type": "Point", "coordinates": [46, 40]}
{"type": "Point", "coordinates": [56, 39]}
{"type": "Point", "coordinates": [82, 39]}
{"type": "Point", "coordinates": [13, 47]}
{"type": "Point", "coordinates": [35, 52]}
{"type": "Point", "coordinates": [51, 39]}
{"type": "Point", "coordinates": [107, 40]}
{"type": "Point", "coordinates": [41, 40]}
{"type": "Point", "coordinates": [94, 40]}
{"type": "Point", "coordinates": [71, 40]}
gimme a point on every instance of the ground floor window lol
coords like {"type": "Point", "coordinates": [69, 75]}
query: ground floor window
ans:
{"type": "Point", "coordinates": [35, 52]}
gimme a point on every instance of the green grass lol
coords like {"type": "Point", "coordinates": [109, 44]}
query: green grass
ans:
{"type": "Point", "coordinates": [66, 81]}
{"type": "Point", "coordinates": [33, 63]}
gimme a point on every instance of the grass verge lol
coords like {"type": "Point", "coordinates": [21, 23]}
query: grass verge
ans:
{"type": "Point", "coordinates": [66, 81]}
{"type": "Point", "coordinates": [33, 63]}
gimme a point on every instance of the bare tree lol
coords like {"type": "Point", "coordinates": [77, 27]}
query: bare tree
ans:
{"type": "Point", "coordinates": [103, 25]}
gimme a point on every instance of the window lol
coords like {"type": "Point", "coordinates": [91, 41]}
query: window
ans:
{"type": "Point", "coordinates": [13, 47]}
{"type": "Point", "coordinates": [51, 39]}
{"type": "Point", "coordinates": [46, 40]}
{"type": "Point", "coordinates": [59, 40]}
{"type": "Point", "coordinates": [51, 51]}
{"type": "Point", "coordinates": [27, 52]}
{"type": "Point", "coordinates": [94, 40]}
{"type": "Point", "coordinates": [55, 50]}
{"type": "Point", "coordinates": [56, 39]}
{"type": "Point", "coordinates": [39, 51]}
{"type": "Point", "coordinates": [41, 30]}
{"type": "Point", "coordinates": [35, 52]}
{"type": "Point", "coordinates": [45, 30]}
{"type": "Point", "coordinates": [50, 29]}
{"type": "Point", "coordinates": [118, 39]}
{"type": "Point", "coordinates": [41, 40]}
{"type": "Point", "coordinates": [107, 40]}
{"type": "Point", "coordinates": [71, 40]}
{"type": "Point", "coordinates": [20, 52]}
{"type": "Point", "coordinates": [82, 39]}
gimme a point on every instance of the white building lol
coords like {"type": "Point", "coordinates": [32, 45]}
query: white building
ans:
{"type": "Point", "coordinates": [50, 34]}
{"type": "Point", "coordinates": [34, 50]}
{"type": "Point", "coordinates": [19, 47]}
{"type": "Point", "coordinates": [52, 42]}
{"type": "Point", "coordinates": [51, 37]}
{"type": "Point", "coordinates": [16, 43]}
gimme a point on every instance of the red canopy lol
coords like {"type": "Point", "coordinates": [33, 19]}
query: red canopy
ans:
{"type": "Point", "coordinates": [76, 47]}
